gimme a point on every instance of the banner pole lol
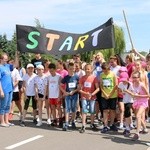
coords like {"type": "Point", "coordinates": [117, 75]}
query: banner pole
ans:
{"type": "Point", "coordinates": [128, 29]}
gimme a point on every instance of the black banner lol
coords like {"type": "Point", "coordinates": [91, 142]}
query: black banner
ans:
{"type": "Point", "coordinates": [40, 40]}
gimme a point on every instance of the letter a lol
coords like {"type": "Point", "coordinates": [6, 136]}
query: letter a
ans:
{"type": "Point", "coordinates": [68, 43]}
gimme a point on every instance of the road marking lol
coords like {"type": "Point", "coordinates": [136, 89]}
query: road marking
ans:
{"type": "Point", "coordinates": [148, 144]}
{"type": "Point", "coordinates": [24, 142]}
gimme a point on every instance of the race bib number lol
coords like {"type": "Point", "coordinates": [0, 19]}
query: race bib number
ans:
{"type": "Point", "coordinates": [106, 82]}
{"type": "Point", "coordinates": [87, 84]}
{"type": "Point", "coordinates": [72, 85]}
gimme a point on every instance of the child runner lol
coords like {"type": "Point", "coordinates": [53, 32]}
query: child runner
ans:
{"type": "Point", "coordinates": [122, 71]}
{"type": "Point", "coordinates": [54, 94]}
{"type": "Point", "coordinates": [88, 85]}
{"type": "Point", "coordinates": [108, 84]}
{"type": "Point", "coordinates": [140, 103]}
{"type": "Point", "coordinates": [40, 90]}
{"type": "Point", "coordinates": [123, 86]}
{"type": "Point", "coordinates": [71, 95]}
{"type": "Point", "coordinates": [16, 98]}
{"type": "Point", "coordinates": [28, 85]}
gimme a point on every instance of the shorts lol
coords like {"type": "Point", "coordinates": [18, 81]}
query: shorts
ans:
{"type": "Point", "coordinates": [127, 111]}
{"type": "Point", "coordinates": [88, 106]}
{"type": "Point", "coordinates": [120, 99]}
{"type": "Point", "coordinates": [71, 103]}
{"type": "Point", "coordinates": [109, 103]}
{"type": "Point", "coordinates": [15, 96]}
{"type": "Point", "coordinates": [40, 95]}
{"type": "Point", "coordinates": [27, 102]}
{"type": "Point", "coordinates": [5, 103]}
{"type": "Point", "coordinates": [98, 95]}
{"type": "Point", "coordinates": [140, 103]}
{"type": "Point", "coordinates": [54, 101]}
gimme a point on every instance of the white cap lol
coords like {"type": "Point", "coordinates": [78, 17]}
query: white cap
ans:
{"type": "Point", "coordinates": [30, 66]}
{"type": "Point", "coordinates": [40, 67]}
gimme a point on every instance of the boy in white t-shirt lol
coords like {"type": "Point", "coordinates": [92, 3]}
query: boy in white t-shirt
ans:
{"type": "Point", "coordinates": [123, 86]}
{"type": "Point", "coordinates": [28, 85]}
{"type": "Point", "coordinates": [54, 80]}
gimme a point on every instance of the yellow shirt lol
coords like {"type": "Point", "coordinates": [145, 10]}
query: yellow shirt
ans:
{"type": "Point", "coordinates": [108, 83]}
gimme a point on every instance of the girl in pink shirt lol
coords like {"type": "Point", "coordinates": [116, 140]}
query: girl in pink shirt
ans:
{"type": "Point", "coordinates": [140, 95]}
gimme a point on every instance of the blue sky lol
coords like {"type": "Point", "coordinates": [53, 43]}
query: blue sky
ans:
{"type": "Point", "coordinates": [79, 16]}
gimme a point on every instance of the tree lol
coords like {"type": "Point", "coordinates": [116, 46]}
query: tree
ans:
{"type": "Point", "coordinates": [3, 42]}
{"type": "Point", "coordinates": [119, 46]}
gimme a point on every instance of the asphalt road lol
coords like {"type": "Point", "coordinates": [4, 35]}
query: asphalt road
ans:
{"type": "Point", "coordinates": [46, 137]}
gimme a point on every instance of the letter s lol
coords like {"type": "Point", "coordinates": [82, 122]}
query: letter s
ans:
{"type": "Point", "coordinates": [34, 41]}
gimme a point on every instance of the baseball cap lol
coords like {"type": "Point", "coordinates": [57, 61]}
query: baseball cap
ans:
{"type": "Point", "coordinates": [30, 66]}
{"type": "Point", "coordinates": [123, 77]}
{"type": "Point", "coordinates": [40, 67]}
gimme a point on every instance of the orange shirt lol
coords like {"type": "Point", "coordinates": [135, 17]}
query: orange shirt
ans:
{"type": "Point", "coordinates": [87, 84]}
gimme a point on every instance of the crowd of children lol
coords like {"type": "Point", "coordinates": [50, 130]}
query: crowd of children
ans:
{"type": "Point", "coordinates": [75, 89]}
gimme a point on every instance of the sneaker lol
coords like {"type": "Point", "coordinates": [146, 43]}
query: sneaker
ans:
{"type": "Point", "coordinates": [49, 121]}
{"type": "Point", "coordinates": [144, 131]}
{"type": "Point", "coordinates": [121, 127]}
{"type": "Point", "coordinates": [11, 124]}
{"type": "Point", "coordinates": [135, 137]}
{"type": "Point", "coordinates": [20, 118]}
{"type": "Point", "coordinates": [93, 127]}
{"type": "Point", "coordinates": [126, 133]}
{"type": "Point", "coordinates": [60, 124]}
{"type": "Point", "coordinates": [38, 119]}
{"type": "Point", "coordinates": [82, 130]}
{"type": "Point", "coordinates": [54, 123]}
{"type": "Point", "coordinates": [4, 125]}
{"type": "Point", "coordinates": [22, 124]}
{"type": "Point", "coordinates": [35, 121]}
{"type": "Point", "coordinates": [113, 128]}
{"type": "Point", "coordinates": [39, 124]}
{"type": "Point", "coordinates": [132, 126]}
{"type": "Point", "coordinates": [73, 125]}
{"type": "Point", "coordinates": [65, 127]}
{"type": "Point", "coordinates": [104, 130]}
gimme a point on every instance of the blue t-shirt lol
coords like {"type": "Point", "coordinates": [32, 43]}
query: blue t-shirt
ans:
{"type": "Point", "coordinates": [71, 82]}
{"type": "Point", "coordinates": [97, 70]}
{"type": "Point", "coordinates": [5, 78]}
{"type": "Point", "coordinates": [148, 75]}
